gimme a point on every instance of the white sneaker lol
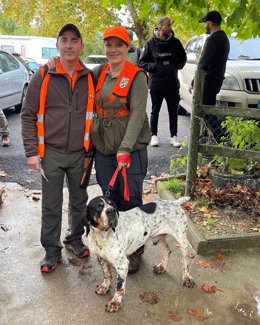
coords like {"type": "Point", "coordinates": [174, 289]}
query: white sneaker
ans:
{"type": "Point", "coordinates": [175, 142]}
{"type": "Point", "coordinates": [154, 141]}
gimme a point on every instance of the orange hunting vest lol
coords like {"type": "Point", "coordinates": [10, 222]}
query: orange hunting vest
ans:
{"type": "Point", "coordinates": [40, 114]}
{"type": "Point", "coordinates": [120, 90]}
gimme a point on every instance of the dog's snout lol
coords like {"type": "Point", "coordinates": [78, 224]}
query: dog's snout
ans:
{"type": "Point", "coordinates": [110, 211]}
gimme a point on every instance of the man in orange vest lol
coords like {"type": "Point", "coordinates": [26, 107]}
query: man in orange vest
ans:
{"type": "Point", "coordinates": [56, 119]}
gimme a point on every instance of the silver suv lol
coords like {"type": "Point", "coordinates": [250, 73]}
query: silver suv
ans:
{"type": "Point", "coordinates": [241, 86]}
{"type": "Point", "coordinates": [14, 80]}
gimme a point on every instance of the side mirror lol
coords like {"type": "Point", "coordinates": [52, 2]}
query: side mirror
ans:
{"type": "Point", "coordinates": [191, 58]}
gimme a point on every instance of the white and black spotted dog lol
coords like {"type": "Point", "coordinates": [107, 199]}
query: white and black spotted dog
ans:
{"type": "Point", "coordinates": [112, 238]}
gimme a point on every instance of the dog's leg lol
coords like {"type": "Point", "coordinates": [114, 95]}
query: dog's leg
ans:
{"type": "Point", "coordinates": [116, 303]}
{"type": "Point", "coordinates": [187, 279]}
{"type": "Point", "coordinates": [161, 267]}
{"type": "Point", "coordinates": [103, 288]}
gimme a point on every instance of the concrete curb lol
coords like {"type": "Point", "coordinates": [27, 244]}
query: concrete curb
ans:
{"type": "Point", "coordinates": [207, 245]}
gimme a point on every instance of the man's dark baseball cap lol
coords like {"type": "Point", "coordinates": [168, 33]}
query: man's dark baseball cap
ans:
{"type": "Point", "coordinates": [69, 27]}
{"type": "Point", "coordinates": [213, 16]}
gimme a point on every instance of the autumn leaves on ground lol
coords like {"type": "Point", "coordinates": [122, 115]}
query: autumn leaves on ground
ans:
{"type": "Point", "coordinates": [218, 263]}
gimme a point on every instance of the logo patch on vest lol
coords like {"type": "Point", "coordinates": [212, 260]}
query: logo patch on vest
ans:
{"type": "Point", "coordinates": [123, 82]}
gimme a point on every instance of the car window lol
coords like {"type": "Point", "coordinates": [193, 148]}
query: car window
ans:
{"type": "Point", "coordinates": [191, 45]}
{"type": "Point", "coordinates": [244, 50]}
{"type": "Point", "coordinates": [198, 46]}
{"type": "Point", "coordinates": [8, 63]}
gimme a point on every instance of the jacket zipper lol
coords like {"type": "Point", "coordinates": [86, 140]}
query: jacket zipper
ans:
{"type": "Point", "coordinates": [70, 110]}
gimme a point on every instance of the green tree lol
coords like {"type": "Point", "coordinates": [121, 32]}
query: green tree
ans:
{"type": "Point", "coordinates": [47, 16]}
{"type": "Point", "coordinates": [241, 17]}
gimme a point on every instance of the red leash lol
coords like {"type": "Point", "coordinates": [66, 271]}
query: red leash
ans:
{"type": "Point", "coordinates": [123, 159]}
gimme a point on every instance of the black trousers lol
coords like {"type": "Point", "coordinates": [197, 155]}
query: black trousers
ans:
{"type": "Point", "coordinates": [172, 97]}
{"type": "Point", "coordinates": [211, 89]}
{"type": "Point", "coordinates": [105, 167]}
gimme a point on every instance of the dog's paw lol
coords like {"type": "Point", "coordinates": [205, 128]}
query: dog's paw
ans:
{"type": "Point", "coordinates": [159, 269]}
{"type": "Point", "coordinates": [113, 306]}
{"type": "Point", "coordinates": [188, 282]}
{"type": "Point", "coordinates": [101, 289]}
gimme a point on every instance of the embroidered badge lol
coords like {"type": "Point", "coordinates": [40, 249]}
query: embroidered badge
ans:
{"type": "Point", "coordinates": [123, 82]}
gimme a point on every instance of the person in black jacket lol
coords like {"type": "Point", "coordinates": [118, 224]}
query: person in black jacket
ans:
{"type": "Point", "coordinates": [162, 57]}
{"type": "Point", "coordinates": [213, 61]}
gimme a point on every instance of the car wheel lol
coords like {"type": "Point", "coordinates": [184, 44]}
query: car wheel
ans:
{"type": "Point", "coordinates": [19, 106]}
{"type": "Point", "coordinates": [181, 111]}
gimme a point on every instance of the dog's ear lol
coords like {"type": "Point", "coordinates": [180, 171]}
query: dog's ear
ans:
{"type": "Point", "coordinates": [85, 221]}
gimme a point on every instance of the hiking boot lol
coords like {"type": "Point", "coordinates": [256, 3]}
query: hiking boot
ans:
{"type": "Point", "coordinates": [78, 248]}
{"type": "Point", "coordinates": [49, 263]}
{"type": "Point", "coordinates": [154, 141]}
{"type": "Point", "coordinates": [6, 140]}
{"type": "Point", "coordinates": [135, 261]}
{"type": "Point", "coordinates": [174, 142]}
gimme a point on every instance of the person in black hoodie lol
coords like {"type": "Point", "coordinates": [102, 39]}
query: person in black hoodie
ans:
{"type": "Point", "coordinates": [162, 57]}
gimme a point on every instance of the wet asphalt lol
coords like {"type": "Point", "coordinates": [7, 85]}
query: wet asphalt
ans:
{"type": "Point", "coordinates": [67, 295]}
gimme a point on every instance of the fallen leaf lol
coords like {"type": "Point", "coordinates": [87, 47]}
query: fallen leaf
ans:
{"type": "Point", "coordinates": [175, 316]}
{"type": "Point", "coordinates": [198, 313]}
{"type": "Point", "coordinates": [220, 256]}
{"type": "Point", "coordinates": [204, 264]}
{"type": "Point", "coordinates": [188, 206]}
{"type": "Point", "coordinates": [206, 287]}
{"type": "Point", "coordinates": [149, 297]}
{"type": "Point", "coordinates": [204, 210]}
{"type": "Point", "coordinates": [3, 173]}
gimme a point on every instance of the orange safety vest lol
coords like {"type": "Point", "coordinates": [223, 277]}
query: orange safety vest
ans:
{"type": "Point", "coordinates": [40, 114]}
{"type": "Point", "coordinates": [120, 90]}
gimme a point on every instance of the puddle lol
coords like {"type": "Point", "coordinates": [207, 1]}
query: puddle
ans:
{"type": "Point", "coordinates": [245, 311]}
{"type": "Point", "coordinates": [257, 299]}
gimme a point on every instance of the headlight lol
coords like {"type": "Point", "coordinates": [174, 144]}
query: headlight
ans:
{"type": "Point", "coordinates": [230, 83]}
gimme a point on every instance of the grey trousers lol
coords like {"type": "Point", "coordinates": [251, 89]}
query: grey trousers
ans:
{"type": "Point", "coordinates": [55, 166]}
{"type": "Point", "coordinates": [3, 124]}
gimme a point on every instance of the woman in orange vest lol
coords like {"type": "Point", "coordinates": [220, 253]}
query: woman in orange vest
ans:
{"type": "Point", "coordinates": [120, 129]}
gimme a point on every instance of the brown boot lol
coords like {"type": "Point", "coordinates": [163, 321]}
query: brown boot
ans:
{"type": "Point", "coordinates": [135, 260]}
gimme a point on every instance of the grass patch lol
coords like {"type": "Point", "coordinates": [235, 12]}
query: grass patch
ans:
{"type": "Point", "coordinates": [175, 186]}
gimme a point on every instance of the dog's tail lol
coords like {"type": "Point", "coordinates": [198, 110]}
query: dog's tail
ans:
{"type": "Point", "coordinates": [182, 200]}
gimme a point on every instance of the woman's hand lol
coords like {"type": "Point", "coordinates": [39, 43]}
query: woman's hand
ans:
{"type": "Point", "coordinates": [123, 160]}
{"type": "Point", "coordinates": [52, 62]}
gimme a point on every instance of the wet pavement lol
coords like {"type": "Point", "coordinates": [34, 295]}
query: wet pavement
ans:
{"type": "Point", "coordinates": [67, 296]}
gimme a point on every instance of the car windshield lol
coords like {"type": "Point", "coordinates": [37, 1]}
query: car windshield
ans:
{"type": "Point", "coordinates": [96, 59]}
{"type": "Point", "coordinates": [244, 50]}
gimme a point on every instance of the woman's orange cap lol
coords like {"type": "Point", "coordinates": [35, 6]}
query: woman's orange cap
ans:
{"type": "Point", "coordinates": [117, 31]}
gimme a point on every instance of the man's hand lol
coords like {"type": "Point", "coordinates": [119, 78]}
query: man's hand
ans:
{"type": "Point", "coordinates": [190, 88]}
{"type": "Point", "coordinates": [34, 162]}
{"type": "Point", "coordinates": [52, 62]}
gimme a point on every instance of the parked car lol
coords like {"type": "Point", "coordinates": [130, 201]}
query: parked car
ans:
{"type": "Point", "coordinates": [14, 80]}
{"type": "Point", "coordinates": [93, 60]}
{"type": "Point", "coordinates": [20, 58]}
{"type": "Point", "coordinates": [241, 86]}
{"type": "Point", "coordinates": [33, 65]}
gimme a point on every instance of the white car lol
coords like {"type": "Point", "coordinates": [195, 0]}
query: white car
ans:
{"type": "Point", "coordinates": [241, 86]}
{"type": "Point", "coordinates": [14, 79]}
{"type": "Point", "coordinates": [94, 60]}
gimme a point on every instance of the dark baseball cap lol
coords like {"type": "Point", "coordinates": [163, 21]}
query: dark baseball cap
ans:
{"type": "Point", "coordinates": [69, 27]}
{"type": "Point", "coordinates": [213, 16]}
